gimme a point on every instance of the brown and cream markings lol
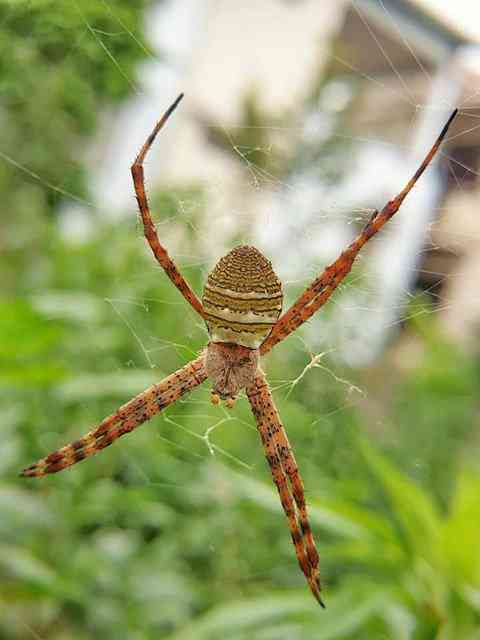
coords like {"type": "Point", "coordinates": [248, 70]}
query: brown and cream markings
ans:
{"type": "Point", "coordinates": [242, 298]}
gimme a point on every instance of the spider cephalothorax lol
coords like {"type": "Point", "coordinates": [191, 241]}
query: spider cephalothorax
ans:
{"type": "Point", "coordinates": [230, 367]}
{"type": "Point", "coordinates": [241, 305]}
{"type": "Point", "coordinates": [242, 300]}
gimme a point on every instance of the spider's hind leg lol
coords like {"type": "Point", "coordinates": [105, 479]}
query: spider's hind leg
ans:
{"type": "Point", "coordinates": [286, 476]}
{"type": "Point", "coordinates": [127, 418]}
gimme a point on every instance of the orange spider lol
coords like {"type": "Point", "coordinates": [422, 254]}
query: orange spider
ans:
{"type": "Point", "coordinates": [242, 303]}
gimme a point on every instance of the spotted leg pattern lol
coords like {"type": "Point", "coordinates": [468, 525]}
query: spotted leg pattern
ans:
{"type": "Point", "coordinates": [320, 290]}
{"type": "Point", "coordinates": [127, 418]}
{"type": "Point", "coordinates": [150, 230]}
{"type": "Point", "coordinates": [283, 466]}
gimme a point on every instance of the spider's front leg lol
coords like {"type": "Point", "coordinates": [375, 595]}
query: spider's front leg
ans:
{"type": "Point", "coordinates": [150, 230]}
{"type": "Point", "coordinates": [320, 290]}
{"type": "Point", "coordinates": [131, 415]}
{"type": "Point", "coordinates": [282, 464]}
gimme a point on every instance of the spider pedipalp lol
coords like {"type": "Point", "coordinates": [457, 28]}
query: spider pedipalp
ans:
{"type": "Point", "coordinates": [230, 403]}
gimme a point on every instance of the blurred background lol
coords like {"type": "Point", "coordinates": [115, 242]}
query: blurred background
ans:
{"type": "Point", "coordinates": [299, 118]}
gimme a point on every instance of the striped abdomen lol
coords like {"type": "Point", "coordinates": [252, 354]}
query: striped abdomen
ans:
{"type": "Point", "coordinates": [242, 298]}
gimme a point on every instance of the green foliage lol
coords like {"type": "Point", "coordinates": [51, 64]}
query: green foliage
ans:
{"type": "Point", "coordinates": [444, 388]}
{"type": "Point", "coordinates": [176, 531]}
{"type": "Point", "coordinates": [59, 63]}
{"type": "Point", "coordinates": [418, 569]}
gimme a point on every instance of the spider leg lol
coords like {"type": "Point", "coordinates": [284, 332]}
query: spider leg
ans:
{"type": "Point", "coordinates": [149, 228]}
{"type": "Point", "coordinates": [282, 466]}
{"type": "Point", "coordinates": [290, 466]}
{"type": "Point", "coordinates": [322, 287]}
{"type": "Point", "coordinates": [127, 418]}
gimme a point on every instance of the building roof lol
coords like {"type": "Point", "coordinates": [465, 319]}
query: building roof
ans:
{"type": "Point", "coordinates": [428, 25]}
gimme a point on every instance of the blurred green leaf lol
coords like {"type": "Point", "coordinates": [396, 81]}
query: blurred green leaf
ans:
{"type": "Point", "coordinates": [459, 533]}
{"type": "Point", "coordinates": [346, 612]}
{"type": "Point", "coordinates": [413, 509]}
{"type": "Point", "coordinates": [20, 564]}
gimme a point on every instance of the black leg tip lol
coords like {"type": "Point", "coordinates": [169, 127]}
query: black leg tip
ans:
{"type": "Point", "coordinates": [174, 105]}
{"type": "Point", "coordinates": [448, 123]}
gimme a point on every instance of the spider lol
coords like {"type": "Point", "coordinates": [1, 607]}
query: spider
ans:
{"type": "Point", "coordinates": [241, 306]}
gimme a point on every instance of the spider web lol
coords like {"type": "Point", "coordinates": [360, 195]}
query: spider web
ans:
{"type": "Point", "coordinates": [260, 190]}
{"type": "Point", "coordinates": [282, 191]}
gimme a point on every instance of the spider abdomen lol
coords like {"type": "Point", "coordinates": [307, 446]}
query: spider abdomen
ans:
{"type": "Point", "coordinates": [242, 298]}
